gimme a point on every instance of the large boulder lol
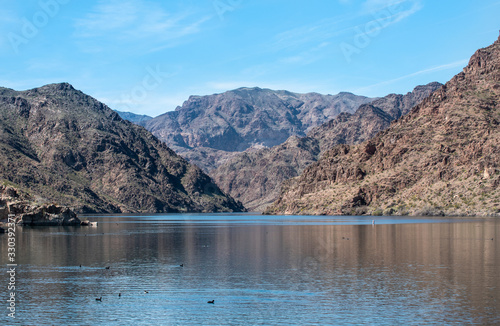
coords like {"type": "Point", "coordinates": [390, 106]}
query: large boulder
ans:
{"type": "Point", "coordinates": [49, 215]}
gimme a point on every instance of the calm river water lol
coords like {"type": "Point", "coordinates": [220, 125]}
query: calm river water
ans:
{"type": "Point", "coordinates": [260, 270]}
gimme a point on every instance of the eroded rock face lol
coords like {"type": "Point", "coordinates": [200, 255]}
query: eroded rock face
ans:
{"type": "Point", "coordinates": [49, 215]}
{"type": "Point", "coordinates": [255, 177]}
{"type": "Point", "coordinates": [443, 158]}
{"type": "Point", "coordinates": [68, 148]}
{"type": "Point", "coordinates": [28, 212]}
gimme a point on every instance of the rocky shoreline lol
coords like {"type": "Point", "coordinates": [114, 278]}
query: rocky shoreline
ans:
{"type": "Point", "coordinates": [28, 212]}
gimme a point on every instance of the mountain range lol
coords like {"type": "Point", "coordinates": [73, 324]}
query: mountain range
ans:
{"type": "Point", "coordinates": [442, 158]}
{"type": "Point", "coordinates": [255, 177]}
{"type": "Point", "coordinates": [208, 130]}
{"type": "Point", "coordinates": [433, 151]}
{"type": "Point", "coordinates": [61, 145]}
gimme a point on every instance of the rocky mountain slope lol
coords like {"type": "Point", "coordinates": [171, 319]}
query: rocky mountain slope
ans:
{"type": "Point", "coordinates": [369, 119]}
{"type": "Point", "coordinates": [443, 158]}
{"type": "Point", "coordinates": [63, 146]}
{"type": "Point", "coordinates": [255, 177]}
{"type": "Point", "coordinates": [209, 129]}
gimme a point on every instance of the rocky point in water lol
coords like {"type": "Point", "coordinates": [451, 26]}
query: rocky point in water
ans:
{"type": "Point", "coordinates": [27, 211]}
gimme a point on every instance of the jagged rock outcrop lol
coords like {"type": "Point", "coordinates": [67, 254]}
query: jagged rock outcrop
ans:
{"type": "Point", "coordinates": [27, 211]}
{"type": "Point", "coordinates": [217, 126]}
{"type": "Point", "coordinates": [255, 177]}
{"type": "Point", "coordinates": [47, 215]}
{"type": "Point", "coordinates": [370, 118]}
{"type": "Point", "coordinates": [66, 147]}
{"type": "Point", "coordinates": [443, 158]}
{"type": "Point", "coordinates": [397, 105]}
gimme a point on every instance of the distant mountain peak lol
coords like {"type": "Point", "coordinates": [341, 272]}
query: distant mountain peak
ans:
{"type": "Point", "coordinates": [254, 88]}
{"type": "Point", "coordinates": [345, 93]}
{"type": "Point", "coordinates": [55, 87]}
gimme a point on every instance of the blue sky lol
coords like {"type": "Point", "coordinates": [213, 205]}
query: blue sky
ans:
{"type": "Point", "coordinates": [147, 57]}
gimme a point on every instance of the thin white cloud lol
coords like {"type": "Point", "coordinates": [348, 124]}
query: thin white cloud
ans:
{"type": "Point", "coordinates": [107, 17]}
{"type": "Point", "coordinates": [382, 12]}
{"type": "Point", "coordinates": [453, 65]}
{"type": "Point", "coordinates": [312, 33]}
{"type": "Point", "coordinates": [306, 57]}
{"type": "Point", "coordinates": [389, 12]}
{"type": "Point", "coordinates": [315, 37]}
{"type": "Point", "coordinates": [133, 21]}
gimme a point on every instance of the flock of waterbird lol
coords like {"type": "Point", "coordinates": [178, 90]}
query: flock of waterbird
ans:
{"type": "Point", "coordinates": [145, 292]}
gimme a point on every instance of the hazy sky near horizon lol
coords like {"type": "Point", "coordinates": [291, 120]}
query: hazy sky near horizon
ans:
{"type": "Point", "coordinates": [147, 57]}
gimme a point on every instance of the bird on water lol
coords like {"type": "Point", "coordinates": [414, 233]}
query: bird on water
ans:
{"type": "Point", "coordinates": [211, 301]}
{"type": "Point", "coordinates": [98, 299]}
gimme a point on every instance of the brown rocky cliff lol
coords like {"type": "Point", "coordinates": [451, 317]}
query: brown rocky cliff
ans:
{"type": "Point", "coordinates": [255, 177]}
{"type": "Point", "coordinates": [443, 158]}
